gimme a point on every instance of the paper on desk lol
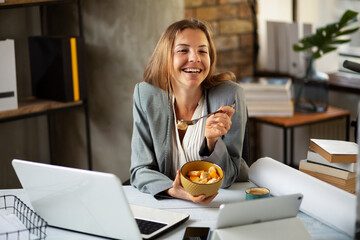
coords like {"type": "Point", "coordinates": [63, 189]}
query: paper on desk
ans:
{"type": "Point", "coordinates": [10, 223]}
{"type": "Point", "coordinates": [329, 204]}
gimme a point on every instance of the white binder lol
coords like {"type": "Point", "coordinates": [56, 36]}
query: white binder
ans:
{"type": "Point", "coordinates": [8, 90]}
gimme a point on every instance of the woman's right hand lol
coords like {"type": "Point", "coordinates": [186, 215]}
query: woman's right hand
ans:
{"type": "Point", "coordinates": [177, 191]}
{"type": "Point", "coordinates": [218, 125]}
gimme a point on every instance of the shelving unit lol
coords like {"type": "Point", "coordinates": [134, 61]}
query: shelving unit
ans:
{"type": "Point", "coordinates": [33, 107]}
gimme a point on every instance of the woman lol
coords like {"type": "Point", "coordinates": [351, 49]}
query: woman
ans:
{"type": "Point", "coordinates": [179, 83]}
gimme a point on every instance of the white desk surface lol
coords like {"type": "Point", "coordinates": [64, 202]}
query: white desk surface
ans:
{"type": "Point", "coordinates": [200, 216]}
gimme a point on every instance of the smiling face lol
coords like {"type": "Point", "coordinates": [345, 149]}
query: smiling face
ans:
{"type": "Point", "coordinates": [191, 59]}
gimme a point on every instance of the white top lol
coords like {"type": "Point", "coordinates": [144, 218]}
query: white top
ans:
{"type": "Point", "coordinates": [194, 136]}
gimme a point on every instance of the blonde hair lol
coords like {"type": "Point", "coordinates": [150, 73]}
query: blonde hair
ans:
{"type": "Point", "coordinates": [158, 70]}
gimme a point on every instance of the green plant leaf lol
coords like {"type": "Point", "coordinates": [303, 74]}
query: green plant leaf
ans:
{"type": "Point", "coordinates": [347, 17]}
{"type": "Point", "coordinates": [346, 32]}
{"type": "Point", "coordinates": [316, 55]}
{"type": "Point", "coordinates": [325, 39]}
{"type": "Point", "coordinates": [298, 48]}
{"type": "Point", "coordinates": [328, 49]}
{"type": "Point", "coordinates": [331, 28]}
{"type": "Point", "coordinates": [339, 41]}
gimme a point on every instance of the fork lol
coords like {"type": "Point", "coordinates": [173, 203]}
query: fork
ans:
{"type": "Point", "coordinates": [183, 124]}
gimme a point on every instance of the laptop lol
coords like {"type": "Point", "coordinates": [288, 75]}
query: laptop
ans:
{"type": "Point", "coordinates": [90, 202]}
{"type": "Point", "coordinates": [266, 218]}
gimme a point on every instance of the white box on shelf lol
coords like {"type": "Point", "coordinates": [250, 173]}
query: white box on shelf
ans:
{"type": "Point", "coordinates": [8, 90]}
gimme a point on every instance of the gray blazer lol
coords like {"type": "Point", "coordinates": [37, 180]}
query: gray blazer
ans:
{"type": "Point", "coordinates": [151, 145]}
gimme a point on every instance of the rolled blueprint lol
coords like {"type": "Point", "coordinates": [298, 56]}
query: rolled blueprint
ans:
{"type": "Point", "coordinates": [330, 205]}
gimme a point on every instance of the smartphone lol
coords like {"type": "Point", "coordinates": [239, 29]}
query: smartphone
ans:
{"type": "Point", "coordinates": [198, 233]}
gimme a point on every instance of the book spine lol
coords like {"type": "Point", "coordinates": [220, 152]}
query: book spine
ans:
{"type": "Point", "coordinates": [272, 57]}
{"type": "Point", "coordinates": [325, 170]}
{"type": "Point", "coordinates": [76, 82]}
{"type": "Point", "coordinates": [347, 185]}
{"type": "Point", "coordinates": [315, 157]}
{"type": "Point", "coordinates": [294, 57]}
{"type": "Point", "coordinates": [333, 158]}
{"type": "Point", "coordinates": [320, 151]}
{"type": "Point", "coordinates": [282, 47]}
{"type": "Point", "coordinates": [75, 70]}
{"type": "Point", "coordinates": [344, 158]}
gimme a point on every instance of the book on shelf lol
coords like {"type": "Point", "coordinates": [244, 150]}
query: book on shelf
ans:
{"type": "Point", "coordinates": [278, 106]}
{"type": "Point", "coordinates": [277, 46]}
{"type": "Point", "coordinates": [270, 109]}
{"type": "Point", "coordinates": [268, 96]}
{"type": "Point", "coordinates": [266, 84]}
{"type": "Point", "coordinates": [283, 47]}
{"type": "Point", "coordinates": [335, 151]}
{"type": "Point", "coordinates": [270, 113]}
{"type": "Point", "coordinates": [280, 39]}
{"type": "Point", "coordinates": [323, 169]}
{"type": "Point", "coordinates": [348, 185]}
{"type": "Point", "coordinates": [8, 88]}
{"type": "Point", "coordinates": [57, 68]}
{"type": "Point", "coordinates": [295, 66]}
{"type": "Point", "coordinates": [272, 54]}
{"type": "Point", "coordinates": [314, 157]}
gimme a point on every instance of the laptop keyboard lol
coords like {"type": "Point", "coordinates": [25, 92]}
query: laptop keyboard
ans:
{"type": "Point", "coordinates": [148, 227]}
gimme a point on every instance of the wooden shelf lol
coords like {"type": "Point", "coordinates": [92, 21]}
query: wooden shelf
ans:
{"type": "Point", "coordinates": [24, 3]}
{"type": "Point", "coordinates": [33, 106]}
{"type": "Point", "coordinates": [299, 119]}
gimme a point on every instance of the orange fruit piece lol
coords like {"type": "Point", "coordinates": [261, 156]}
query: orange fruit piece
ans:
{"type": "Point", "coordinates": [194, 173]}
{"type": "Point", "coordinates": [194, 178]}
{"type": "Point", "coordinates": [214, 174]}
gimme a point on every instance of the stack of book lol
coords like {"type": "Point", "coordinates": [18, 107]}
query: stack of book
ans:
{"type": "Point", "coordinates": [268, 96]}
{"type": "Point", "coordinates": [332, 161]}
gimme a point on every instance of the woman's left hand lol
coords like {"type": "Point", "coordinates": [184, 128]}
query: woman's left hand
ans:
{"type": "Point", "coordinates": [218, 125]}
{"type": "Point", "coordinates": [178, 191]}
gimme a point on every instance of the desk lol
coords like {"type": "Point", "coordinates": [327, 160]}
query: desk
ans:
{"type": "Point", "coordinates": [200, 216]}
{"type": "Point", "coordinates": [301, 119]}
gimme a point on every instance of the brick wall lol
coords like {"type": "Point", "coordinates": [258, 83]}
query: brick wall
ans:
{"type": "Point", "coordinates": [233, 32]}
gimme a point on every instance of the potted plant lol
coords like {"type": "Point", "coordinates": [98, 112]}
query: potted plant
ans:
{"type": "Point", "coordinates": [311, 91]}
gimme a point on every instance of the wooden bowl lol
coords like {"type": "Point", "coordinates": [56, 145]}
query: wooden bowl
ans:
{"type": "Point", "coordinates": [197, 189]}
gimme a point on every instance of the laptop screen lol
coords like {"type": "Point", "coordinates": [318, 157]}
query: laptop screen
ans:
{"type": "Point", "coordinates": [88, 201]}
